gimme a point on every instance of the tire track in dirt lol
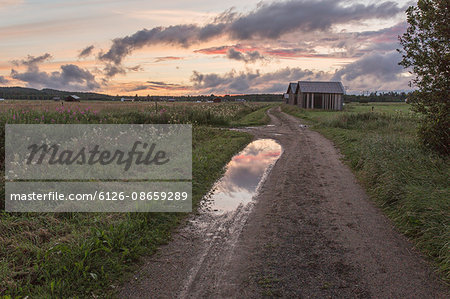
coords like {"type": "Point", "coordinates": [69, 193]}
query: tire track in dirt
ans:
{"type": "Point", "coordinates": [312, 232]}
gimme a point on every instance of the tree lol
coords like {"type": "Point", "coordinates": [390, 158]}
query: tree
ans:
{"type": "Point", "coordinates": [426, 54]}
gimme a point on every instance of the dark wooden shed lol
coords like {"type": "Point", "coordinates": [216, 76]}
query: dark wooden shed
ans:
{"type": "Point", "coordinates": [291, 94]}
{"type": "Point", "coordinates": [73, 98]}
{"type": "Point", "coordinates": [319, 95]}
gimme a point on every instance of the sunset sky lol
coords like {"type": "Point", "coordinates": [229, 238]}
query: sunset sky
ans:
{"type": "Point", "coordinates": [177, 47]}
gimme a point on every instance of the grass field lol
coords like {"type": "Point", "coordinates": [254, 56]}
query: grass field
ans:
{"type": "Point", "coordinates": [86, 254]}
{"type": "Point", "coordinates": [407, 181]}
{"type": "Point", "coordinates": [378, 107]}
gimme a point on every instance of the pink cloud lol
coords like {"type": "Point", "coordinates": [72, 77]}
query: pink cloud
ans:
{"type": "Point", "coordinates": [167, 58]}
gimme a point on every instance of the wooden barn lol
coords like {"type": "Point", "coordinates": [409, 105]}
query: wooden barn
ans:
{"type": "Point", "coordinates": [291, 97]}
{"type": "Point", "coordinates": [73, 98]}
{"type": "Point", "coordinates": [318, 95]}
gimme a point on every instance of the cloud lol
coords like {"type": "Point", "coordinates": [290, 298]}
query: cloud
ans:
{"type": "Point", "coordinates": [86, 52]}
{"type": "Point", "coordinates": [384, 40]}
{"type": "Point", "coordinates": [216, 50]}
{"type": "Point", "coordinates": [181, 35]}
{"type": "Point", "coordinates": [248, 57]}
{"type": "Point", "coordinates": [151, 85]}
{"type": "Point", "coordinates": [134, 87]}
{"type": "Point", "coordinates": [382, 66]}
{"type": "Point", "coordinates": [263, 52]}
{"type": "Point", "coordinates": [293, 52]}
{"type": "Point", "coordinates": [338, 44]}
{"type": "Point", "coordinates": [374, 71]}
{"type": "Point", "coordinates": [32, 60]}
{"type": "Point", "coordinates": [252, 81]}
{"type": "Point", "coordinates": [3, 80]}
{"type": "Point", "coordinates": [167, 58]}
{"type": "Point", "coordinates": [267, 21]}
{"type": "Point", "coordinates": [111, 70]}
{"type": "Point", "coordinates": [158, 85]}
{"type": "Point", "coordinates": [385, 35]}
{"type": "Point", "coordinates": [135, 68]}
{"type": "Point", "coordinates": [278, 18]}
{"type": "Point", "coordinates": [70, 77]}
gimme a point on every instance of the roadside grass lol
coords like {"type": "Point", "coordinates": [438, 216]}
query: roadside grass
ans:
{"type": "Point", "coordinates": [256, 118]}
{"type": "Point", "coordinates": [84, 254]}
{"type": "Point", "coordinates": [377, 107]}
{"type": "Point", "coordinates": [87, 254]}
{"type": "Point", "coordinates": [408, 182]}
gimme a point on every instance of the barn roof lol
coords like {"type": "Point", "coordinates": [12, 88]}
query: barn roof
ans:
{"type": "Point", "coordinates": [292, 87]}
{"type": "Point", "coordinates": [320, 87]}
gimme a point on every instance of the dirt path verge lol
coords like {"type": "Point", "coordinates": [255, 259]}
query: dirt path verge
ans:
{"type": "Point", "coordinates": [311, 232]}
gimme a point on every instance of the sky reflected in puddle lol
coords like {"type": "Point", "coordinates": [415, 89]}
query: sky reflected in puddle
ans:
{"type": "Point", "coordinates": [243, 175]}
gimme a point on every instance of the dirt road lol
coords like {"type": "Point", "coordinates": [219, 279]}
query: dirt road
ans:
{"type": "Point", "coordinates": [311, 232]}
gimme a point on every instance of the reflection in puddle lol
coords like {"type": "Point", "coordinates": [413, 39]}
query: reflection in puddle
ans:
{"type": "Point", "coordinates": [243, 175]}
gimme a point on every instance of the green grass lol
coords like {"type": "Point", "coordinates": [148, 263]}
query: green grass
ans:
{"type": "Point", "coordinates": [407, 181]}
{"type": "Point", "coordinates": [87, 254]}
{"type": "Point", "coordinates": [377, 107]}
{"type": "Point", "coordinates": [71, 254]}
{"type": "Point", "coordinates": [256, 118]}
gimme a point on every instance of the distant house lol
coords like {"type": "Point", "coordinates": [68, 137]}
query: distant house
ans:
{"type": "Point", "coordinates": [291, 97]}
{"type": "Point", "coordinates": [2, 99]}
{"type": "Point", "coordinates": [217, 100]}
{"type": "Point", "coordinates": [171, 100]}
{"type": "Point", "coordinates": [56, 99]}
{"type": "Point", "coordinates": [73, 98]}
{"type": "Point", "coordinates": [317, 95]}
{"type": "Point", "coordinates": [126, 100]}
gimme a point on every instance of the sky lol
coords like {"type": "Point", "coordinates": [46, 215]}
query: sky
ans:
{"type": "Point", "coordinates": [178, 47]}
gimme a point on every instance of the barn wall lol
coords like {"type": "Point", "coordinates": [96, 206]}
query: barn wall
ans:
{"type": "Point", "coordinates": [292, 98]}
{"type": "Point", "coordinates": [328, 101]}
{"type": "Point", "coordinates": [300, 100]}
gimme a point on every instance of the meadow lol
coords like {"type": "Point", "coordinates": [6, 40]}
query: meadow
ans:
{"type": "Point", "coordinates": [408, 182]}
{"type": "Point", "coordinates": [87, 254]}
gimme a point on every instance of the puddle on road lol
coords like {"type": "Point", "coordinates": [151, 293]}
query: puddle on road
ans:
{"type": "Point", "coordinates": [244, 173]}
{"type": "Point", "coordinates": [225, 210]}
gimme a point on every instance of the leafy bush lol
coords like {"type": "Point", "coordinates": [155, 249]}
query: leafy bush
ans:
{"type": "Point", "coordinates": [426, 54]}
